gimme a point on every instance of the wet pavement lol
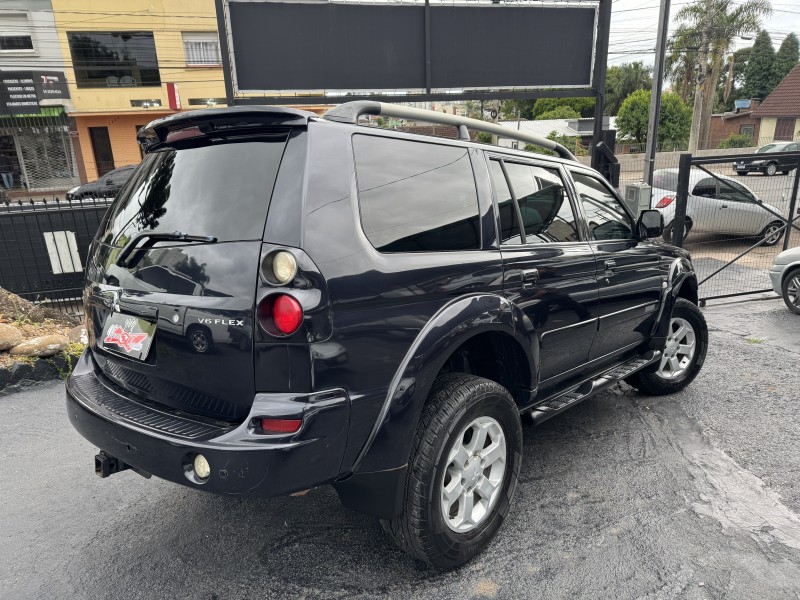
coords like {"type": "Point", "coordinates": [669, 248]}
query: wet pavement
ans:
{"type": "Point", "coordinates": [691, 496]}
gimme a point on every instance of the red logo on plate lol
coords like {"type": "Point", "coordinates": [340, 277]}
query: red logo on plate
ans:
{"type": "Point", "coordinates": [125, 339]}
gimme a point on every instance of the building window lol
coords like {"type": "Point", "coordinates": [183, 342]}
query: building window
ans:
{"type": "Point", "coordinates": [201, 48]}
{"type": "Point", "coordinates": [114, 58]}
{"type": "Point", "coordinates": [18, 37]}
{"type": "Point", "coordinates": [747, 129]}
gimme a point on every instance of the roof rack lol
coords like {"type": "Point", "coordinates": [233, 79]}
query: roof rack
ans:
{"type": "Point", "coordinates": [349, 112]}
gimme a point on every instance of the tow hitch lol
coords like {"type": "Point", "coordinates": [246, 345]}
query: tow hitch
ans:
{"type": "Point", "coordinates": [106, 465]}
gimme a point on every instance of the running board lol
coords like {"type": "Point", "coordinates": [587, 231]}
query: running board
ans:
{"type": "Point", "coordinates": [572, 396]}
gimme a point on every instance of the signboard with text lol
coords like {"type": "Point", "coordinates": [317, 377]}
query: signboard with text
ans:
{"type": "Point", "coordinates": [22, 92]}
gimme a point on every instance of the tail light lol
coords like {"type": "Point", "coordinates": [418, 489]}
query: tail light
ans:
{"type": "Point", "coordinates": [665, 201]}
{"type": "Point", "coordinates": [280, 314]}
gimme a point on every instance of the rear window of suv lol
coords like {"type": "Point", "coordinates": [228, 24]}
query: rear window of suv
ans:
{"type": "Point", "coordinates": [415, 196]}
{"type": "Point", "coordinates": [221, 190]}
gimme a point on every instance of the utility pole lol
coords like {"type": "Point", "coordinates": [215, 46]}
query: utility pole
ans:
{"type": "Point", "coordinates": [655, 94]}
{"type": "Point", "coordinates": [699, 90]}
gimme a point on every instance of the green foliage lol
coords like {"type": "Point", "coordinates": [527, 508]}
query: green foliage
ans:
{"type": "Point", "coordinates": [622, 80]}
{"type": "Point", "coordinates": [786, 58]}
{"type": "Point", "coordinates": [759, 75]}
{"type": "Point", "coordinates": [737, 140]}
{"type": "Point", "coordinates": [583, 106]}
{"type": "Point", "coordinates": [562, 112]}
{"type": "Point", "coordinates": [483, 137]}
{"type": "Point", "coordinates": [673, 123]}
{"type": "Point", "coordinates": [510, 108]}
{"type": "Point", "coordinates": [571, 143]}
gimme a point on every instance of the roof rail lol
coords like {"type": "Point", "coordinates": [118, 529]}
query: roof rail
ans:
{"type": "Point", "coordinates": [349, 112]}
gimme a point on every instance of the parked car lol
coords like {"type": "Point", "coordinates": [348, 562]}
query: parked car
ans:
{"type": "Point", "coordinates": [106, 186]}
{"type": "Point", "coordinates": [716, 204]}
{"type": "Point", "coordinates": [406, 301]}
{"type": "Point", "coordinates": [764, 161]}
{"type": "Point", "coordinates": [785, 277]}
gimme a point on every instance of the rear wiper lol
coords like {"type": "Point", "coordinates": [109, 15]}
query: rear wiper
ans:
{"type": "Point", "coordinates": [136, 252]}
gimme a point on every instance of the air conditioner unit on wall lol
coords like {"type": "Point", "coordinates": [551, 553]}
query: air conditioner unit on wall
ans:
{"type": "Point", "coordinates": [637, 197]}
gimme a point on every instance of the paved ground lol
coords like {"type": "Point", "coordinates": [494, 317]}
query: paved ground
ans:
{"type": "Point", "coordinates": [692, 496]}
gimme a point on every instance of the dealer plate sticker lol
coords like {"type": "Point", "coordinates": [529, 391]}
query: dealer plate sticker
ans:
{"type": "Point", "coordinates": [129, 336]}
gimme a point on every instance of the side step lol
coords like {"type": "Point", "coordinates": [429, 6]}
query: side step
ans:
{"type": "Point", "coordinates": [575, 394]}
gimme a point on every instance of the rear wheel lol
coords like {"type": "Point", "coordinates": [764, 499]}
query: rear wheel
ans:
{"type": "Point", "coordinates": [790, 290]}
{"type": "Point", "coordinates": [462, 472]}
{"type": "Point", "coordinates": [772, 233]}
{"type": "Point", "coordinates": [770, 169]}
{"type": "Point", "coordinates": [684, 353]}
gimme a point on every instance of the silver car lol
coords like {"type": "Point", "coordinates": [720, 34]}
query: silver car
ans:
{"type": "Point", "coordinates": [785, 276]}
{"type": "Point", "coordinates": [716, 205]}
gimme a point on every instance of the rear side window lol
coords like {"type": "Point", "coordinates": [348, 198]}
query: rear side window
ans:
{"type": "Point", "coordinates": [416, 197]}
{"type": "Point", "coordinates": [221, 190]}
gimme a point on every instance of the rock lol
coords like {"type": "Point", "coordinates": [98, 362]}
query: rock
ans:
{"type": "Point", "coordinates": [46, 345]}
{"type": "Point", "coordinates": [77, 335]}
{"type": "Point", "coordinates": [10, 336]}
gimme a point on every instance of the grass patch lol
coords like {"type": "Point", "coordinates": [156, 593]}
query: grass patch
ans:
{"type": "Point", "coordinates": [753, 341]}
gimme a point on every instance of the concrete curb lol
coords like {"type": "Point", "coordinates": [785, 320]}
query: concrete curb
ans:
{"type": "Point", "coordinates": [24, 374]}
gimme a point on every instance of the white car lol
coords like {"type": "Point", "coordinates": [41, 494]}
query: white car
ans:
{"type": "Point", "coordinates": [785, 277]}
{"type": "Point", "coordinates": [716, 204]}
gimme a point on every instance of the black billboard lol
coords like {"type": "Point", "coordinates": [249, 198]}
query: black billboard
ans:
{"type": "Point", "coordinates": [21, 92]}
{"type": "Point", "coordinates": [276, 47]}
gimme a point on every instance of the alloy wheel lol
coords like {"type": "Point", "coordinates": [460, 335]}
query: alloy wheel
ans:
{"type": "Point", "coordinates": [679, 350]}
{"type": "Point", "coordinates": [772, 234]}
{"type": "Point", "coordinates": [793, 290]}
{"type": "Point", "coordinates": [473, 478]}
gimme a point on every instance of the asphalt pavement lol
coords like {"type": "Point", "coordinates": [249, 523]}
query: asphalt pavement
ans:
{"type": "Point", "coordinates": [693, 496]}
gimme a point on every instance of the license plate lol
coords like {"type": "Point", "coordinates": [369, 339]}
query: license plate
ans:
{"type": "Point", "coordinates": [127, 335]}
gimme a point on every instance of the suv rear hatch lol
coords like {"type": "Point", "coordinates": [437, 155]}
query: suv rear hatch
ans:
{"type": "Point", "coordinates": [172, 272]}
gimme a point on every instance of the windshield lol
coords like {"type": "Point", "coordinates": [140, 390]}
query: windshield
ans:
{"type": "Point", "coordinates": [768, 148]}
{"type": "Point", "coordinates": [221, 190]}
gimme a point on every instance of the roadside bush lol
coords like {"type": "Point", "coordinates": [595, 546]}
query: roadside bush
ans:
{"type": "Point", "coordinates": [737, 140]}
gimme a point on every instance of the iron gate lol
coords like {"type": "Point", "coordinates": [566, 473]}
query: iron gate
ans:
{"type": "Point", "coordinates": [734, 214]}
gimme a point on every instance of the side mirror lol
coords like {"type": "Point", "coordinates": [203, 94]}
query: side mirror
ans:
{"type": "Point", "coordinates": [650, 224]}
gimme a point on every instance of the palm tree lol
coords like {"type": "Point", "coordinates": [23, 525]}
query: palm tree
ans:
{"type": "Point", "coordinates": [715, 24]}
{"type": "Point", "coordinates": [679, 63]}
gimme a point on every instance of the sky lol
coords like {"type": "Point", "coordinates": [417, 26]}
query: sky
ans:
{"type": "Point", "coordinates": [634, 24]}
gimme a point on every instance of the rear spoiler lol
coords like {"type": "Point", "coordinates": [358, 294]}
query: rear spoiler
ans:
{"type": "Point", "coordinates": [351, 111]}
{"type": "Point", "coordinates": [220, 119]}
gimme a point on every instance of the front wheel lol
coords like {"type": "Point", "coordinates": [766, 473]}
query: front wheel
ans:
{"type": "Point", "coordinates": [772, 233]}
{"type": "Point", "coordinates": [684, 353]}
{"type": "Point", "coordinates": [790, 290]}
{"type": "Point", "coordinates": [462, 472]}
{"type": "Point", "coordinates": [770, 169]}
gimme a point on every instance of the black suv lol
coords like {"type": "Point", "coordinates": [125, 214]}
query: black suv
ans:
{"type": "Point", "coordinates": [277, 301]}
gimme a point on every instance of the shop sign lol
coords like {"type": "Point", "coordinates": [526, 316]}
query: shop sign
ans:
{"type": "Point", "coordinates": [21, 92]}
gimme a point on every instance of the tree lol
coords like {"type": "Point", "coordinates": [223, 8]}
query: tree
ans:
{"type": "Point", "coordinates": [673, 123]}
{"type": "Point", "coordinates": [622, 80]}
{"type": "Point", "coordinates": [561, 112]}
{"type": "Point", "coordinates": [509, 109]}
{"type": "Point", "coordinates": [679, 63]}
{"type": "Point", "coordinates": [709, 27]}
{"type": "Point", "coordinates": [759, 73]}
{"type": "Point", "coordinates": [731, 81]}
{"type": "Point", "coordinates": [786, 58]}
{"type": "Point", "coordinates": [583, 106]}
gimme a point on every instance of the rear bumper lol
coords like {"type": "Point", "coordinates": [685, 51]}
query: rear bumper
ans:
{"type": "Point", "coordinates": [243, 462]}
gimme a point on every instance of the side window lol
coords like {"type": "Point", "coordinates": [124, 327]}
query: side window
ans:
{"type": "Point", "coordinates": [544, 207]}
{"type": "Point", "coordinates": [706, 188]}
{"type": "Point", "coordinates": [416, 197]}
{"type": "Point", "coordinates": [605, 215]}
{"type": "Point", "coordinates": [730, 190]}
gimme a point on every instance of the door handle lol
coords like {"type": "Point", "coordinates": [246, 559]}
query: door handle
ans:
{"type": "Point", "coordinates": [610, 265]}
{"type": "Point", "coordinates": [529, 278]}
{"type": "Point", "coordinates": [724, 206]}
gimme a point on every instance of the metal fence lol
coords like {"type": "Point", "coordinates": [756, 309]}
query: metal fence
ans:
{"type": "Point", "coordinates": [734, 214]}
{"type": "Point", "coordinates": [43, 248]}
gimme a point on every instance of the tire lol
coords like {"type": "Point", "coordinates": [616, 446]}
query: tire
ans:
{"type": "Point", "coordinates": [667, 235]}
{"type": "Point", "coordinates": [659, 381]}
{"type": "Point", "coordinates": [790, 290]}
{"type": "Point", "coordinates": [770, 169]}
{"type": "Point", "coordinates": [455, 404]}
{"type": "Point", "coordinates": [773, 233]}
